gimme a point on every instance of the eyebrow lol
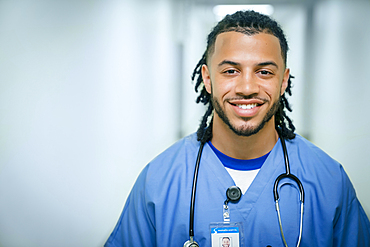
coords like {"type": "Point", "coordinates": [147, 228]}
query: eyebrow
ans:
{"type": "Point", "coordinates": [228, 62]}
{"type": "Point", "coordinates": [268, 63]}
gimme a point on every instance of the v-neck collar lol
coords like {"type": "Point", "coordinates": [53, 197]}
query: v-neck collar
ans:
{"type": "Point", "coordinates": [263, 181]}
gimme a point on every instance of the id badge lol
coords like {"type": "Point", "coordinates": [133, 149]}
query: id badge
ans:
{"type": "Point", "coordinates": [226, 234]}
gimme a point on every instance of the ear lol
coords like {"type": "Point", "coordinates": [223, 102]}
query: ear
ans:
{"type": "Point", "coordinates": [206, 78]}
{"type": "Point", "coordinates": [284, 85]}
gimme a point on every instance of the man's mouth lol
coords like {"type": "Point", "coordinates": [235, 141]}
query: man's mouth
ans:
{"type": "Point", "coordinates": [246, 106]}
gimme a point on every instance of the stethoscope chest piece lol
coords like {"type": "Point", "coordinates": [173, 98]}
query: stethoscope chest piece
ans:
{"type": "Point", "coordinates": [191, 243]}
{"type": "Point", "coordinates": [233, 194]}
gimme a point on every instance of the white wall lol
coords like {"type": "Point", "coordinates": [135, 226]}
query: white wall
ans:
{"type": "Point", "coordinates": [86, 100]}
{"type": "Point", "coordinates": [341, 100]}
{"type": "Point", "coordinates": [198, 22]}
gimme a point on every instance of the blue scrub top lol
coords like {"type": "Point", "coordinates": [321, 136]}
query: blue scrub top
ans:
{"type": "Point", "coordinates": [156, 212]}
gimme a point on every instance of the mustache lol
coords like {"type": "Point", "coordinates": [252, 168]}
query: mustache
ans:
{"type": "Point", "coordinates": [245, 97]}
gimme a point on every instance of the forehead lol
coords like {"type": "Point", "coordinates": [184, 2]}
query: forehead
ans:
{"type": "Point", "coordinates": [242, 47]}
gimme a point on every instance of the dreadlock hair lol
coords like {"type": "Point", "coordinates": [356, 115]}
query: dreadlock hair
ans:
{"type": "Point", "coordinates": [249, 23]}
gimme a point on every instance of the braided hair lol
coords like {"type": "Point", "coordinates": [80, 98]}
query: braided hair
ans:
{"type": "Point", "coordinates": [249, 23]}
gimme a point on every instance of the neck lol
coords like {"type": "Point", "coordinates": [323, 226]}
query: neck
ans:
{"type": "Point", "coordinates": [244, 147]}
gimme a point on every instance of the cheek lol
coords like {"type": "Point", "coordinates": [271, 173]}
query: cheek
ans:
{"type": "Point", "coordinates": [222, 93]}
{"type": "Point", "coordinates": [273, 90]}
{"type": "Point", "coordinates": [220, 90]}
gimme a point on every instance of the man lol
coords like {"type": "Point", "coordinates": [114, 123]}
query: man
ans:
{"type": "Point", "coordinates": [225, 242]}
{"type": "Point", "coordinates": [243, 79]}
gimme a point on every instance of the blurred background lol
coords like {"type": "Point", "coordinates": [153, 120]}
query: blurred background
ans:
{"type": "Point", "coordinates": [92, 90]}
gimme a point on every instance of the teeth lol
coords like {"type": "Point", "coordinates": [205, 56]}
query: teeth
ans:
{"type": "Point", "coordinates": [247, 107]}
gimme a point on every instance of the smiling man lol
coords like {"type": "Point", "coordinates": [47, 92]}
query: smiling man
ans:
{"type": "Point", "coordinates": [245, 144]}
{"type": "Point", "coordinates": [225, 242]}
{"type": "Point", "coordinates": [245, 76]}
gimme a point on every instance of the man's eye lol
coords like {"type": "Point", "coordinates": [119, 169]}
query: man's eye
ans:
{"type": "Point", "coordinates": [265, 72]}
{"type": "Point", "coordinates": [230, 71]}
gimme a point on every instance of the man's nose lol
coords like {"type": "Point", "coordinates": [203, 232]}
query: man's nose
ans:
{"type": "Point", "coordinates": [247, 84]}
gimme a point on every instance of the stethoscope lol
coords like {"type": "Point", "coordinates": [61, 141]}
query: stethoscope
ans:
{"type": "Point", "coordinates": [233, 194]}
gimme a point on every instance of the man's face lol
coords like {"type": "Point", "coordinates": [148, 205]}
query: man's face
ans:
{"type": "Point", "coordinates": [245, 76]}
{"type": "Point", "coordinates": [225, 242]}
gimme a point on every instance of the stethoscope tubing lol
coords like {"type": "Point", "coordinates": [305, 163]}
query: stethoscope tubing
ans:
{"type": "Point", "coordinates": [193, 191]}
{"type": "Point", "coordinates": [287, 174]}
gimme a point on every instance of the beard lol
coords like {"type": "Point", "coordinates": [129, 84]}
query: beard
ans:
{"type": "Point", "coordinates": [245, 129]}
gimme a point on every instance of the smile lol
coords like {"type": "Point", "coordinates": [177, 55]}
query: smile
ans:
{"type": "Point", "coordinates": [246, 107]}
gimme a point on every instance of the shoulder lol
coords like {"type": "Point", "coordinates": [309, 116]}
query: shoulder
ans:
{"type": "Point", "coordinates": [176, 162]}
{"type": "Point", "coordinates": [319, 167]}
{"type": "Point", "coordinates": [172, 167]}
{"type": "Point", "coordinates": [178, 151]}
{"type": "Point", "coordinates": [320, 170]}
{"type": "Point", "coordinates": [309, 152]}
